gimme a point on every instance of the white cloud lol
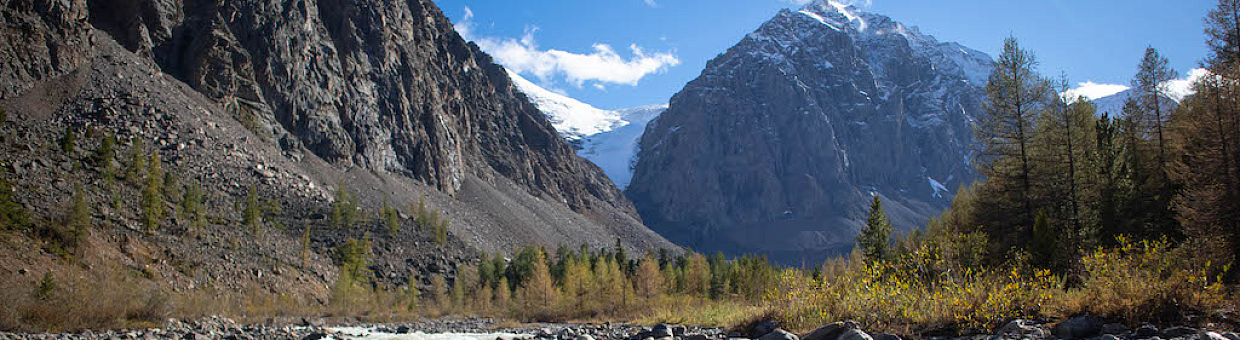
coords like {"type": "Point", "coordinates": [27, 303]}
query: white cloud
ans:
{"type": "Point", "coordinates": [651, 3]}
{"type": "Point", "coordinates": [1180, 88]}
{"type": "Point", "coordinates": [1177, 89]}
{"type": "Point", "coordinates": [602, 65]}
{"type": "Point", "coordinates": [1093, 90]}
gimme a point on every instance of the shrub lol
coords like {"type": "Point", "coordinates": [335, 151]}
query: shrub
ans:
{"type": "Point", "coordinates": [252, 215]}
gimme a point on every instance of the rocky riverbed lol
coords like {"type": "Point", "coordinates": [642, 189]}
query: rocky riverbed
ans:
{"type": "Point", "coordinates": [1086, 328]}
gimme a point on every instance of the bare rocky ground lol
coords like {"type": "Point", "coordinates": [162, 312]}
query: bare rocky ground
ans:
{"type": "Point", "coordinates": [1085, 328]}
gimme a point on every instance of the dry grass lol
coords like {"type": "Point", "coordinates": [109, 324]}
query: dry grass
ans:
{"type": "Point", "coordinates": [1136, 283]}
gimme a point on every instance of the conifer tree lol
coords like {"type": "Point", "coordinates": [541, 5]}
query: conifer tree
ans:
{"type": "Point", "coordinates": [649, 281]}
{"type": "Point", "coordinates": [79, 220]}
{"type": "Point", "coordinates": [874, 239]}
{"type": "Point", "coordinates": [68, 141]}
{"type": "Point", "coordinates": [697, 275]}
{"type": "Point", "coordinates": [538, 291]}
{"type": "Point", "coordinates": [1151, 90]}
{"type": "Point", "coordinates": [503, 293]}
{"type": "Point", "coordinates": [1223, 36]}
{"type": "Point", "coordinates": [1015, 97]}
{"type": "Point", "coordinates": [412, 295]}
{"type": "Point", "coordinates": [152, 194]}
{"type": "Point", "coordinates": [578, 282]}
{"type": "Point", "coordinates": [252, 214]}
{"type": "Point", "coordinates": [137, 162]}
{"type": "Point", "coordinates": [344, 208]}
{"type": "Point", "coordinates": [191, 206]}
{"type": "Point", "coordinates": [439, 292]}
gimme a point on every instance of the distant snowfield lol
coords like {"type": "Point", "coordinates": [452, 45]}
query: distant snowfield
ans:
{"type": "Point", "coordinates": [365, 333]}
{"type": "Point", "coordinates": [608, 137]}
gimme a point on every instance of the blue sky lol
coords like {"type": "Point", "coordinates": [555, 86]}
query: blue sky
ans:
{"type": "Point", "coordinates": [623, 53]}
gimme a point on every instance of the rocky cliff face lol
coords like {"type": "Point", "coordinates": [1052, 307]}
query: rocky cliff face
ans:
{"type": "Point", "coordinates": [386, 85]}
{"type": "Point", "coordinates": [778, 146]}
{"type": "Point", "coordinates": [294, 98]}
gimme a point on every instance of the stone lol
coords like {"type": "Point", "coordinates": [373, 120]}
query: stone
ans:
{"type": "Point", "coordinates": [1178, 332]}
{"type": "Point", "coordinates": [1018, 327]}
{"type": "Point", "coordinates": [780, 334]}
{"type": "Point", "coordinates": [884, 336]}
{"type": "Point", "coordinates": [764, 328]}
{"type": "Point", "coordinates": [830, 331]}
{"type": "Point", "coordinates": [1114, 329]}
{"type": "Point", "coordinates": [583, 337]}
{"type": "Point", "coordinates": [855, 334]}
{"type": "Point", "coordinates": [1145, 331]}
{"type": "Point", "coordinates": [403, 330]}
{"type": "Point", "coordinates": [315, 336]}
{"type": "Point", "coordinates": [695, 337]}
{"type": "Point", "coordinates": [661, 331]}
{"type": "Point", "coordinates": [1107, 337]}
{"type": "Point", "coordinates": [1231, 336]}
{"type": "Point", "coordinates": [1078, 327]}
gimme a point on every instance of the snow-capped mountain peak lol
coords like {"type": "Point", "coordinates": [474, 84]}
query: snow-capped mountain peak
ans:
{"type": "Point", "coordinates": [606, 137]}
{"type": "Point", "coordinates": [572, 119]}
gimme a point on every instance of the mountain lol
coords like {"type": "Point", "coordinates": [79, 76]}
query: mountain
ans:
{"type": "Point", "coordinates": [606, 137]}
{"type": "Point", "coordinates": [297, 100]}
{"type": "Point", "coordinates": [779, 144]}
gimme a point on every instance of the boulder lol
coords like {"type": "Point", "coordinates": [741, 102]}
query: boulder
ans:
{"type": "Point", "coordinates": [830, 331]}
{"type": "Point", "coordinates": [1078, 328]}
{"type": "Point", "coordinates": [764, 328]}
{"type": "Point", "coordinates": [884, 336]}
{"type": "Point", "coordinates": [780, 334]}
{"type": "Point", "coordinates": [1018, 327]}
{"type": "Point", "coordinates": [855, 334]}
{"type": "Point", "coordinates": [1178, 332]}
{"type": "Point", "coordinates": [315, 336]}
{"type": "Point", "coordinates": [661, 331]}
{"type": "Point", "coordinates": [1114, 329]}
{"type": "Point", "coordinates": [1145, 331]}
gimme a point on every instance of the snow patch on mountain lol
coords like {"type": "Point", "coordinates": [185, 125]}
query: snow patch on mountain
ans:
{"type": "Point", "coordinates": [606, 137]}
{"type": "Point", "coordinates": [572, 119]}
{"type": "Point", "coordinates": [615, 151]}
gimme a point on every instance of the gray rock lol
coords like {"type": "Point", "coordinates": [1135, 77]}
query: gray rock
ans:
{"type": "Point", "coordinates": [1018, 327]}
{"type": "Point", "coordinates": [1178, 332]}
{"type": "Point", "coordinates": [1080, 327]}
{"type": "Point", "coordinates": [1114, 329]}
{"type": "Point", "coordinates": [695, 337]}
{"type": "Point", "coordinates": [1231, 336]}
{"type": "Point", "coordinates": [1145, 331]}
{"type": "Point", "coordinates": [583, 337]}
{"type": "Point", "coordinates": [855, 334]}
{"type": "Point", "coordinates": [884, 336]}
{"type": "Point", "coordinates": [315, 336]}
{"type": "Point", "coordinates": [1107, 337]}
{"type": "Point", "coordinates": [661, 330]}
{"type": "Point", "coordinates": [764, 328]}
{"type": "Point", "coordinates": [780, 334]}
{"type": "Point", "coordinates": [830, 331]}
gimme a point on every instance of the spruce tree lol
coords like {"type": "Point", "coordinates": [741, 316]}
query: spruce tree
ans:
{"type": "Point", "coordinates": [874, 239]}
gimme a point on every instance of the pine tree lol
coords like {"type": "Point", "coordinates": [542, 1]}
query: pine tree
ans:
{"type": "Point", "coordinates": [538, 292]}
{"type": "Point", "coordinates": [79, 220]}
{"type": "Point", "coordinates": [1015, 97]}
{"type": "Point", "coordinates": [152, 194]}
{"type": "Point", "coordinates": [874, 239]}
{"type": "Point", "coordinates": [503, 293]}
{"type": "Point", "coordinates": [412, 295]}
{"type": "Point", "coordinates": [252, 214]}
{"type": "Point", "coordinates": [649, 281]}
{"type": "Point", "coordinates": [344, 208]}
{"type": "Point", "coordinates": [1223, 36]}
{"type": "Point", "coordinates": [106, 151]}
{"type": "Point", "coordinates": [439, 292]}
{"type": "Point", "coordinates": [68, 141]}
{"type": "Point", "coordinates": [391, 218]}
{"type": "Point", "coordinates": [191, 206]}
{"type": "Point", "coordinates": [1150, 89]}
{"type": "Point", "coordinates": [137, 162]}
{"type": "Point", "coordinates": [1209, 204]}
{"type": "Point", "coordinates": [578, 283]}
